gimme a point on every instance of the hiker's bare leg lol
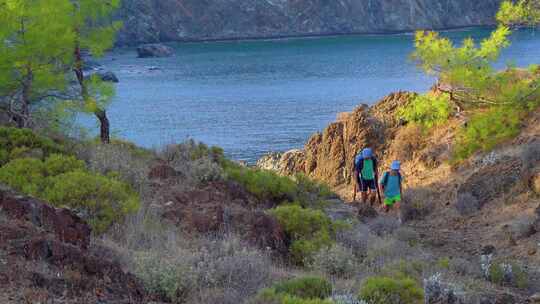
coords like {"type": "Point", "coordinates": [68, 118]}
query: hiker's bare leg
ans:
{"type": "Point", "coordinates": [372, 197]}
{"type": "Point", "coordinates": [363, 197]}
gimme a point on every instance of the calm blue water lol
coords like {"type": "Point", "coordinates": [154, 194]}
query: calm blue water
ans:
{"type": "Point", "coordinates": [252, 97]}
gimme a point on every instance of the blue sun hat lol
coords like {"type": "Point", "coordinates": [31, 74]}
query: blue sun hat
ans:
{"type": "Point", "coordinates": [396, 165]}
{"type": "Point", "coordinates": [367, 153]}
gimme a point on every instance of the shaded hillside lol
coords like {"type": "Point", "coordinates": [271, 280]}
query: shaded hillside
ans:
{"type": "Point", "coordinates": [171, 20]}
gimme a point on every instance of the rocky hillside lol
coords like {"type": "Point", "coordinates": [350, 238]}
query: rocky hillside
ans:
{"type": "Point", "coordinates": [177, 20]}
{"type": "Point", "coordinates": [488, 201]}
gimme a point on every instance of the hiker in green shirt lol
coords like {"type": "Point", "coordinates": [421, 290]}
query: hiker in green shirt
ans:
{"type": "Point", "coordinates": [366, 175]}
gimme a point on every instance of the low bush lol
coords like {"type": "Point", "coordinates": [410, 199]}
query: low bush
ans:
{"type": "Point", "coordinates": [266, 185]}
{"type": "Point", "coordinates": [123, 158]}
{"type": "Point", "coordinates": [387, 290]}
{"type": "Point", "coordinates": [487, 129]}
{"type": "Point", "coordinates": [309, 230]}
{"type": "Point", "coordinates": [16, 143]}
{"type": "Point", "coordinates": [270, 296]}
{"type": "Point", "coordinates": [335, 261]}
{"type": "Point", "coordinates": [64, 181]}
{"type": "Point", "coordinates": [270, 186]}
{"type": "Point", "coordinates": [163, 277]}
{"type": "Point", "coordinates": [509, 274]}
{"type": "Point", "coordinates": [404, 269]}
{"type": "Point", "coordinates": [427, 110]}
{"type": "Point", "coordinates": [306, 290]}
{"type": "Point", "coordinates": [195, 162]}
{"type": "Point", "coordinates": [199, 272]}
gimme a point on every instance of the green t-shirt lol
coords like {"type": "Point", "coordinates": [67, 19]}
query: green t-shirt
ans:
{"type": "Point", "coordinates": [368, 173]}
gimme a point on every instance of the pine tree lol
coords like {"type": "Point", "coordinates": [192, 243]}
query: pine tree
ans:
{"type": "Point", "coordinates": [31, 61]}
{"type": "Point", "coordinates": [96, 34]}
{"type": "Point", "coordinates": [520, 13]}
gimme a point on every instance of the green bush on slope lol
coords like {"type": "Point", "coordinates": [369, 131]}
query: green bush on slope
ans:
{"type": "Point", "coordinates": [264, 184]}
{"type": "Point", "coordinates": [389, 290]}
{"type": "Point", "coordinates": [15, 143]}
{"type": "Point", "coordinates": [306, 290]}
{"type": "Point", "coordinates": [64, 181]}
{"type": "Point", "coordinates": [270, 186]}
{"type": "Point", "coordinates": [309, 229]}
{"type": "Point", "coordinates": [485, 130]}
{"type": "Point", "coordinates": [428, 110]}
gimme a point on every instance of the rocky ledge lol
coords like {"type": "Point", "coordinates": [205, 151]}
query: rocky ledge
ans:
{"type": "Point", "coordinates": [46, 253]}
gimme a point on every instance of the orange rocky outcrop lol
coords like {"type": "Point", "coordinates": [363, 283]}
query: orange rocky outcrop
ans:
{"type": "Point", "coordinates": [329, 156]}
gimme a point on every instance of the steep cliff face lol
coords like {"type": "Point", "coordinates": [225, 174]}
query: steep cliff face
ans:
{"type": "Point", "coordinates": [174, 20]}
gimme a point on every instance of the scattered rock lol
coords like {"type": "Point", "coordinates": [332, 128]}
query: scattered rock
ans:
{"type": "Point", "coordinates": [270, 161]}
{"type": "Point", "coordinates": [154, 50]}
{"type": "Point", "coordinates": [535, 298]}
{"type": "Point", "coordinates": [90, 65]}
{"type": "Point", "coordinates": [365, 212]}
{"type": "Point", "coordinates": [488, 250]}
{"type": "Point", "coordinates": [108, 76]}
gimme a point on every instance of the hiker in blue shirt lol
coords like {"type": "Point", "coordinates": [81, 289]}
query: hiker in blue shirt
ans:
{"type": "Point", "coordinates": [391, 185]}
{"type": "Point", "coordinates": [366, 176]}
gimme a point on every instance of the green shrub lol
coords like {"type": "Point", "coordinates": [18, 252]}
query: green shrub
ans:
{"type": "Point", "coordinates": [428, 110]}
{"type": "Point", "coordinates": [264, 184]}
{"type": "Point", "coordinates": [487, 129]}
{"type": "Point", "coordinates": [270, 296]}
{"type": "Point", "coordinates": [444, 263]}
{"type": "Point", "coordinates": [387, 290]}
{"type": "Point", "coordinates": [104, 200]}
{"type": "Point", "coordinates": [309, 229]}
{"type": "Point", "coordinates": [306, 290]}
{"type": "Point", "coordinates": [508, 273]}
{"type": "Point", "coordinates": [16, 143]}
{"type": "Point", "coordinates": [404, 269]}
{"type": "Point", "coordinates": [64, 181]}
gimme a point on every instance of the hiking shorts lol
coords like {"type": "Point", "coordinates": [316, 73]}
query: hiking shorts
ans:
{"type": "Point", "coordinates": [366, 184]}
{"type": "Point", "coordinates": [390, 201]}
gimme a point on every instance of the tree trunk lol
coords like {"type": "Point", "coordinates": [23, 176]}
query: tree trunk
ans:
{"type": "Point", "coordinates": [24, 115]}
{"type": "Point", "coordinates": [104, 133]}
{"type": "Point", "coordinates": [101, 114]}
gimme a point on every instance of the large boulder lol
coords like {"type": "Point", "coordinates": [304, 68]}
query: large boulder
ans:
{"type": "Point", "coordinates": [108, 76]}
{"type": "Point", "coordinates": [154, 50]}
